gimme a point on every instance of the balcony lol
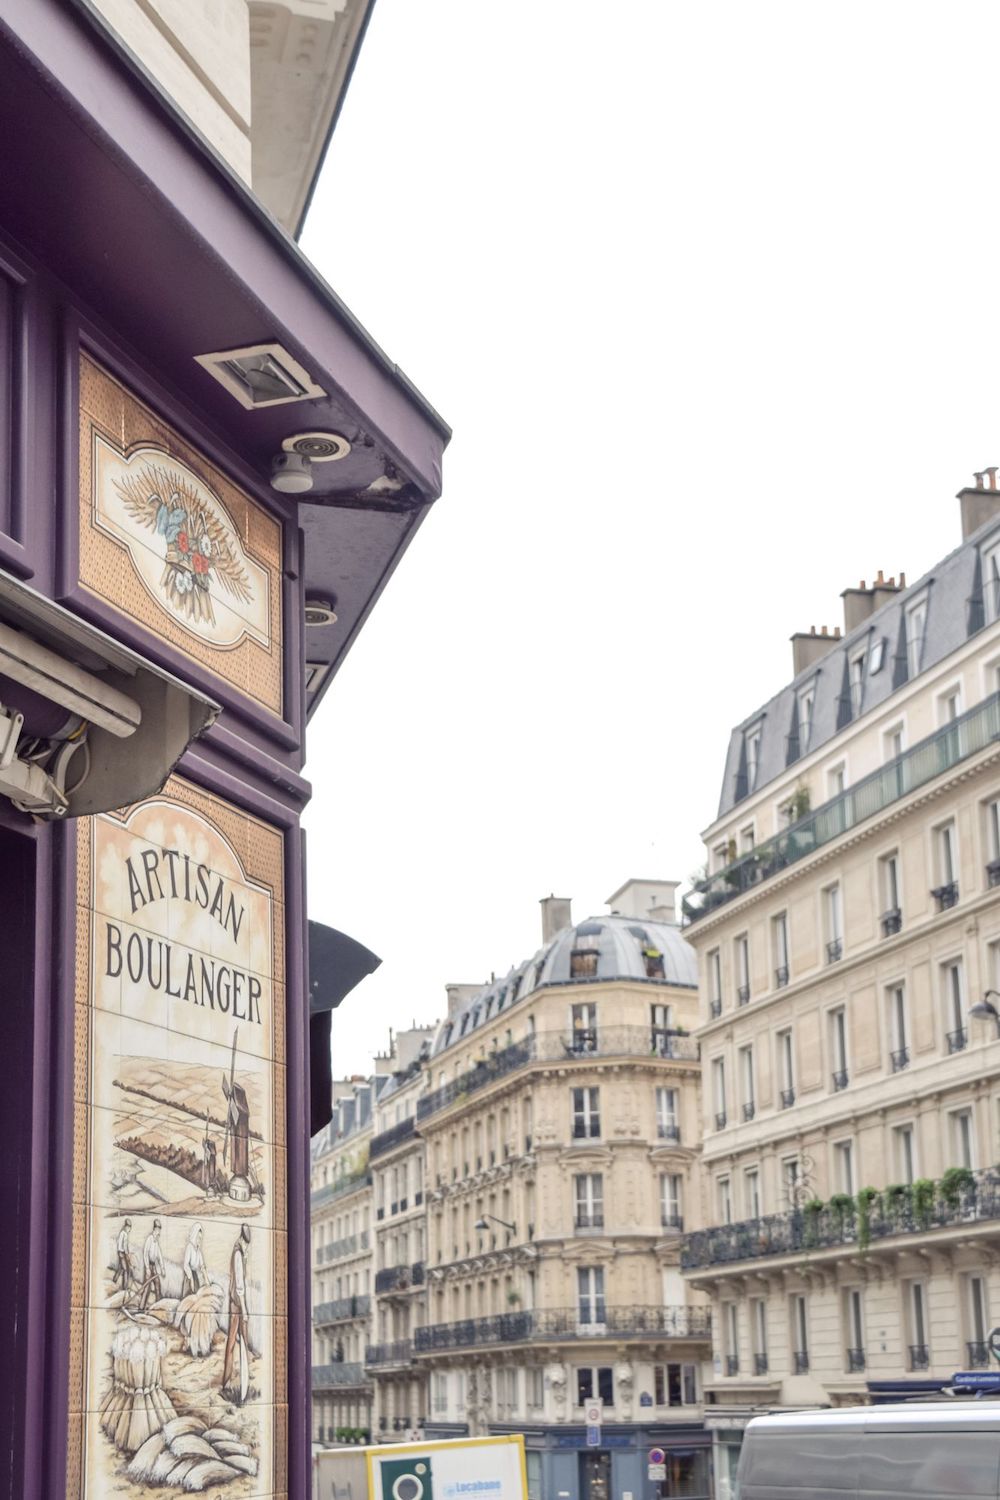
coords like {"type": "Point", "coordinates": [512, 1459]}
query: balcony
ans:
{"type": "Point", "coordinates": [672, 1221]}
{"type": "Point", "coordinates": [801, 1361]}
{"type": "Point", "coordinates": [354, 1244]}
{"type": "Point", "coordinates": [900, 1059]}
{"type": "Point", "coordinates": [892, 922]}
{"type": "Point", "coordinates": [840, 1080]}
{"type": "Point", "coordinates": [749, 1110]}
{"type": "Point", "coordinates": [332, 1190]}
{"type": "Point", "coordinates": [923, 762]}
{"type": "Point", "coordinates": [978, 1354]}
{"type": "Point", "coordinates": [715, 1009]}
{"type": "Point", "coordinates": [945, 896]}
{"type": "Point", "coordinates": [855, 1360]}
{"type": "Point", "coordinates": [781, 977]}
{"type": "Point", "coordinates": [957, 1040]}
{"type": "Point", "coordinates": [560, 1046]}
{"type": "Point", "coordinates": [399, 1278]}
{"type": "Point", "coordinates": [920, 1358]}
{"type": "Point", "coordinates": [585, 1222]}
{"type": "Point", "coordinates": [743, 995]}
{"type": "Point", "coordinates": [993, 872]}
{"type": "Point", "coordinates": [564, 1323]}
{"type": "Point", "coordinates": [720, 1120]}
{"type": "Point", "coordinates": [340, 1373]}
{"type": "Point", "coordinates": [760, 1364]}
{"type": "Point", "coordinates": [388, 1140]}
{"type": "Point", "coordinates": [383, 1356]}
{"type": "Point", "coordinates": [787, 1098]}
{"type": "Point", "coordinates": [834, 951]}
{"type": "Point", "coordinates": [732, 1364]}
{"type": "Point", "coordinates": [342, 1310]}
{"type": "Point", "coordinates": [669, 1132]}
{"type": "Point", "coordinates": [882, 1217]}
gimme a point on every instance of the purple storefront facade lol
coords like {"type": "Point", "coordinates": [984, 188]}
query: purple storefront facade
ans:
{"type": "Point", "coordinates": [154, 1290]}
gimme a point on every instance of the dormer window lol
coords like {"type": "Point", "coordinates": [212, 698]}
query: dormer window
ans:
{"type": "Point", "coordinates": [753, 758]}
{"type": "Point", "coordinates": [856, 677]}
{"type": "Point", "coordinates": [916, 627]}
{"type": "Point", "coordinates": [991, 582]}
{"type": "Point", "coordinates": [653, 960]}
{"type": "Point", "coordinates": [807, 702]}
{"type": "Point", "coordinates": [583, 963]}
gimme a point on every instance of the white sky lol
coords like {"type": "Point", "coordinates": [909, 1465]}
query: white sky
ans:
{"type": "Point", "coordinates": [709, 294]}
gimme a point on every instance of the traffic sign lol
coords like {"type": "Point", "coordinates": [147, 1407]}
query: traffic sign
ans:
{"type": "Point", "coordinates": [656, 1472]}
{"type": "Point", "coordinates": [657, 1456]}
{"type": "Point", "coordinates": [593, 1413]}
{"type": "Point", "coordinates": [593, 1437]}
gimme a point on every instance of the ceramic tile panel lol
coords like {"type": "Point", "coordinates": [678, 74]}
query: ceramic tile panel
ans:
{"type": "Point", "coordinates": [169, 541]}
{"type": "Point", "coordinates": [178, 1277]}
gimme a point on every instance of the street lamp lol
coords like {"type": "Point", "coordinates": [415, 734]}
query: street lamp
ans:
{"type": "Point", "coordinates": [481, 1225]}
{"type": "Point", "coordinates": [985, 1010]}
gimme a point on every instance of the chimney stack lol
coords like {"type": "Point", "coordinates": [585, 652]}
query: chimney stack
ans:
{"type": "Point", "coordinates": [808, 649]}
{"type": "Point", "coordinates": [981, 504]}
{"type": "Point", "coordinates": [556, 914]}
{"type": "Point", "coordinates": [863, 601]}
{"type": "Point", "coordinates": [459, 995]}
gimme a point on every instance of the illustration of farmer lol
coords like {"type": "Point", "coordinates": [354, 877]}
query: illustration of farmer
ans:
{"type": "Point", "coordinates": [153, 1268]}
{"type": "Point", "coordinates": [195, 1270]}
{"type": "Point", "coordinates": [237, 1339]}
{"type": "Point", "coordinates": [208, 1166]}
{"type": "Point", "coordinates": [123, 1269]}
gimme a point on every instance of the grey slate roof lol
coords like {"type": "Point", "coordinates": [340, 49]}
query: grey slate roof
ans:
{"type": "Point", "coordinates": [954, 612]}
{"type": "Point", "coordinates": [619, 942]}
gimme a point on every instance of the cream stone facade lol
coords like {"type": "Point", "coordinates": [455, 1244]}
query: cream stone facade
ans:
{"type": "Point", "coordinates": [261, 80]}
{"type": "Point", "coordinates": [341, 1211]}
{"type": "Point", "coordinates": [849, 922]}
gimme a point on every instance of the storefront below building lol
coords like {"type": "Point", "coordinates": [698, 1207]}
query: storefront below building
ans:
{"type": "Point", "coordinates": [561, 1465]}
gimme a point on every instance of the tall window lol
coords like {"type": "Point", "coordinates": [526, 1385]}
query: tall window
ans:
{"type": "Point", "coordinates": [892, 904]}
{"type": "Point", "coordinates": [586, 1114]}
{"type": "Point", "coordinates": [753, 758]}
{"type": "Point", "coordinates": [807, 699]}
{"type": "Point", "coordinates": [953, 987]}
{"type": "Point", "coordinates": [666, 1115]}
{"type": "Point", "coordinates": [719, 1091]}
{"type": "Point", "coordinates": [661, 1025]}
{"type": "Point", "coordinates": [583, 1027]}
{"type": "Point", "coordinates": [905, 1153]}
{"type": "Point", "coordinates": [892, 742]}
{"type": "Point", "coordinates": [977, 1316]}
{"type": "Point", "coordinates": [595, 1384]}
{"type": "Point", "coordinates": [751, 1192]}
{"type": "Point", "coordinates": [779, 940]}
{"type": "Point", "coordinates": [791, 1173]}
{"type": "Point", "coordinates": [838, 1047]}
{"type": "Point", "coordinates": [800, 1332]}
{"type": "Point", "coordinates": [671, 1201]}
{"type": "Point", "coordinates": [916, 621]}
{"type": "Point", "coordinates": [917, 1299]}
{"type": "Point", "coordinates": [843, 1153]}
{"type": "Point", "coordinates": [724, 1200]}
{"type": "Point", "coordinates": [856, 674]}
{"type": "Point", "coordinates": [947, 854]}
{"type": "Point", "coordinates": [741, 946]}
{"type": "Point", "coordinates": [758, 1325]}
{"type": "Point", "coordinates": [715, 979]}
{"type": "Point", "coordinates": [590, 1295]}
{"type": "Point", "coordinates": [674, 1385]}
{"type": "Point", "coordinates": [899, 1054]}
{"type": "Point", "coordinates": [746, 1082]}
{"type": "Point", "coordinates": [589, 1196]}
{"type": "Point", "coordinates": [854, 1319]}
{"type": "Point", "coordinates": [836, 779]}
{"type": "Point", "coordinates": [962, 1151]}
{"type": "Point", "coordinates": [536, 1388]}
{"type": "Point", "coordinates": [834, 923]}
{"type": "Point", "coordinates": [950, 706]}
{"type": "Point", "coordinates": [786, 1068]}
{"type": "Point", "coordinates": [993, 839]}
{"type": "Point", "coordinates": [731, 1336]}
{"type": "Point", "coordinates": [748, 838]}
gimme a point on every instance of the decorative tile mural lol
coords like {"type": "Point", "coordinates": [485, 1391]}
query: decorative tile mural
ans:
{"type": "Point", "coordinates": [177, 1377]}
{"type": "Point", "coordinates": [169, 541]}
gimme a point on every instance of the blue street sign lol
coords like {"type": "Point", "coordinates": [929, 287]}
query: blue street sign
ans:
{"type": "Point", "coordinates": [593, 1437]}
{"type": "Point", "coordinates": [977, 1380]}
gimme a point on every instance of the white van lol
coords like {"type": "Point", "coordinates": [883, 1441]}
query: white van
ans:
{"type": "Point", "coordinates": [923, 1450]}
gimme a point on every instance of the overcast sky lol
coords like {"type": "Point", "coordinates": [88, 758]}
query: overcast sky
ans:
{"type": "Point", "coordinates": [709, 294]}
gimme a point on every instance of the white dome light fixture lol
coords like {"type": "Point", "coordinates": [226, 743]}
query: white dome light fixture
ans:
{"type": "Point", "coordinates": [291, 474]}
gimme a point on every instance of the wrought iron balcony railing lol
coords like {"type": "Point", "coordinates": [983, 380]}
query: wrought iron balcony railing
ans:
{"type": "Point", "coordinates": [993, 872]}
{"type": "Point", "coordinates": [715, 1009]}
{"type": "Point", "coordinates": [353, 1244]}
{"type": "Point", "coordinates": [668, 1131]}
{"type": "Point", "coordinates": [557, 1046]}
{"type": "Point", "coordinates": [834, 950]}
{"type": "Point", "coordinates": [801, 1361]}
{"type": "Point", "coordinates": [958, 1039]}
{"type": "Point", "coordinates": [900, 1059]}
{"type": "Point", "coordinates": [396, 1354]}
{"type": "Point", "coordinates": [886, 1215]}
{"type": "Point", "coordinates": [946, 896]}
{"type": "Point", "coordinates": [340, 1373]}
{"type": "Point", "coordinates": [671, 1221]}
{"type": "Point", "coordinates": [399, 1278]}
{"type": "Point", "coordinates": [565, 1323]}
{"type": "Point", "coordinates": [331, 1190]}
{"type": "Point", "coordinates": [978, 1353]}
{"type": "Point", "coordinates": [342, 1309]}
{"type": "Point", "coordinates": [387, 1140]}
{"type": "Point", "coordinates": [749, 1110]}
{"type": "Point", "coordinates": [720, 1119]}
{"type": "Point", "coordinates": [760, 1364]}
{"type": "Point", "coordinates": [787, 1098]}
{"type": "Point", "coordinates": [743, 995]}
{"type": "Point", "coordinates": [781, 976]}
{"type": "Point", "coordinates": [588, 1221]}
{"type": "Point", "coordinates": [840, 1080]}
{"type": "Point", "coordinates": [920, 1358]}
{"type": "Point", "coordinates": [920, 764]}
{"type": "Point", "coordinates": [892, 922]}
{"type": "Point", "coordinates": [732, 1364]}
{"type": "Point", "coordinates": [855, 1360]}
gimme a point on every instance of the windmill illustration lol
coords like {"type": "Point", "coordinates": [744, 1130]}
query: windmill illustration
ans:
{"type": "Point", "coordinates": [236, 1142]}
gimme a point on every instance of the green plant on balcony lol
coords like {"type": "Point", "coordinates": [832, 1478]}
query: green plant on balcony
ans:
{"type": "Point", "coordinates": [841, 1207]}
{"type": "Point", "coordinates": [924, 1195]}
{"type": "Point", "coordinates": [866, 1198]}
{"type": "Point", "coordinates": [896, 1199]}
{"type": "Point", "coordinates": [341, 1434]}
{"type": "Point", "coordinates": [513, 1298]}
{"type": "Point", "coordinates": [800, 802]}
{"type": "Point", "coordinates": [955, 1184]}
{"type": "Point", "coordinates": [812, 1210]}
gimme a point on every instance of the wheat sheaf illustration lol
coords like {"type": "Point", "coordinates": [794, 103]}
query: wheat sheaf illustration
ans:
{"type": "Point", "coordinates": [197, 541]}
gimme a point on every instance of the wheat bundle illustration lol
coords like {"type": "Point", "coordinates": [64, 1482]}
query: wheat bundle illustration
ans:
{"type": "Point", "coordinates": [197, 541]}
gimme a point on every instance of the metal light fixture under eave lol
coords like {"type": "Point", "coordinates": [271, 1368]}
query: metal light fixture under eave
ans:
{"type": "Point", "coordinates": [985, 1010]}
